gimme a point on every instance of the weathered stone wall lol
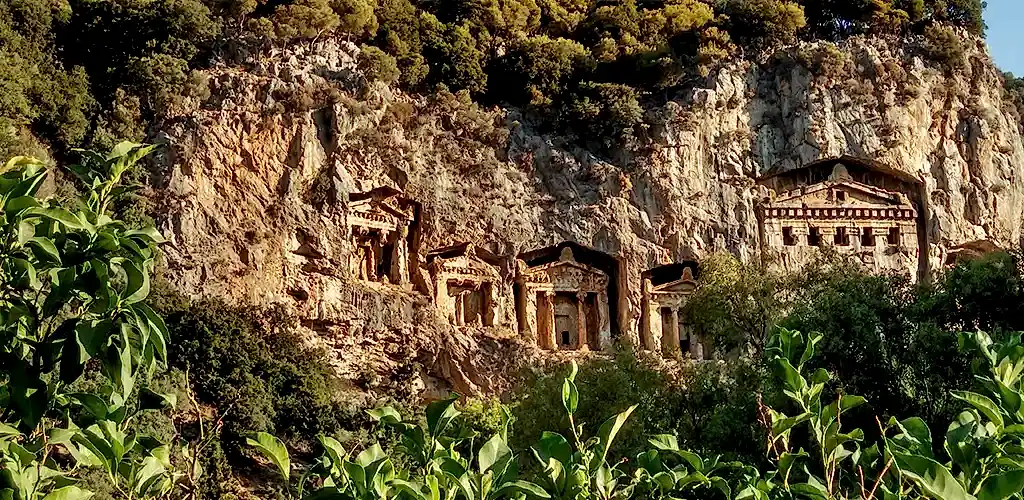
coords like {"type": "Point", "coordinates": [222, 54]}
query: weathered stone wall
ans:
{"type": "Point", "coordinates": [253, 188]}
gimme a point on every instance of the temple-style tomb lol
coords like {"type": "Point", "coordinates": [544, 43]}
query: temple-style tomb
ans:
{"type": "Point", "coordinates": [379, 222]}
{"type": "Point", "coordinates": [666, 290]}
{"type": "Point", "coordinates": [851, 206]}
{"type": "Point", "coordinates": [570, 297]}
{"type": "Point", "coordinates": [564, 303]}
{"type": "Point", "coordinates": [467, 285]}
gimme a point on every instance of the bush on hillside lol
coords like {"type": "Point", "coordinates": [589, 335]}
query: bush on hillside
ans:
{"type": "Point", "coordinates": [711, 407]}
{"type": "Point", "coordinates": [257, 373]}
{"type": "Point", "coordinates": [378, 65]}
{"type": "Point", "coordinates": [943, 45]}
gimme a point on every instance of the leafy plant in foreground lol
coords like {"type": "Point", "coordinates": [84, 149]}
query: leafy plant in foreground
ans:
{"type": "Point", "coordinates": [74, 285]}
{"type": "Point", "coordinates": [812, 455]}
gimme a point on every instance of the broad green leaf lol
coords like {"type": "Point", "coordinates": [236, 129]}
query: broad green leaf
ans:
{"type": "Point", "coordinates": [385, 415]}
{"type": "Point", "coordinates": [1002, 485]}
{"type": "Point", "coordinates": [274, 450]}
{"type": "Point", "coordinates": [531, 490]}
{"type": "Point", "coordinates": [370, 455]}
{"type": "Point", "coordinates": [158, 330]}
{"type": "Point", "coordinates": [983, 404]}
{"type": "Point", "coordinates": [149, 400]}
{"type": "Point", "coordinates": [666, 442]}
{"type": "Point", "coordinates": [92, 403]}
{"type": "Point", "coordinates": [410, 488]}
{"type": "Point", "coordinates": [65, 218]}
{"type": "Point", "coordinates": [693, 459]}
{"type": "Point", "coordinates": [789, 375]}
{"type": "Point", "coordinates": [606, 434]}
{"type": "Point", "coordinates": [149, 234]}
{"type": "Point", "coordinates": [68, 493]}
{"type": "Point", "coordinates": [553, 445]}
{"type": "Point", "coordinates": [333, 449]}
{"type": "Point", "coordinates": [930, 476]}
{"type": "Point", "coordinates": [788, 460]}
{"type": "Point", "coordinates": [20, 203]}
{"type": "Point", "coordinates": [492, 452]}
{"type": "Point", "coordinates": [44, 249]}
{"type": "Point", "coordinates": [782, 425]}
{"type": "Point", "coordinates": [148, 475]}
{"type": "Point", "coordinates": [1010, 399]}
{"type": "Point", "coordinates": [122, 149]}
{"type": "Point", "coordinates": [28, 163]}
{"type": "Point", "coordinates": [137, 288]}
{"type": "Point", "coordinates": [440, 414]}
{"type": "Point", "coordinates": [810, 490]}
{"type": "Point", "coordinates": [722, 485]}
{"type": "Point", "coordinates": [570, 396]}
{"type": "Point", "coordinates": [918, 435]}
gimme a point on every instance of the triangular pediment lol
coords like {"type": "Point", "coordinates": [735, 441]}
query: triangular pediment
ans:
{"type": "Point", "coordinates": [855, 192]}
{"type": "Point", "coordinates": [564, 264]}
{"type": "Point", "coordinates": [378, 207]}
{"type": "Point", "coordinates": [678, 286]}
{"type": "Point", "coordinates": [468, 264]}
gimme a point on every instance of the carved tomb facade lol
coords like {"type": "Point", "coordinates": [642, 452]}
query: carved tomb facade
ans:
{"type": "Point", "coordinates": [379, 223]}
{"type": "Point", "coordinates": [666, 291]}
{"type": "Point", "coordinates": [878, 225]}
{"type": "Point", "coordinates": [564, 304]}
{"type": "Point", "coordinates": [467, 285]}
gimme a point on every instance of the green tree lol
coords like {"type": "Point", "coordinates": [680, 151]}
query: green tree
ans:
{"type": "Point", "coordinates": [378, 65]}
{"type": "Point", "coordinates": [762, 24]}
{"type": "Point", "coordinates": [454, 57]}
{"type": "Point", "coordinates": [603, 113]}
{"type": "Point", "coordinates": [738, 303]}
{"type": "Point", "coordinates": [539, 69]}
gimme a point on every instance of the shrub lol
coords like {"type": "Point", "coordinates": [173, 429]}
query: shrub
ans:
{"type": "Point", "coordinates": [304, 19]}
{"type": "Point", "coordinates": [763, 24]}
{"type": "Point", "coordinates": [378, 65]}
{"type": "Point", "coordinates": [943, 45]}
{"type": "Point", "coordinates": [738, 303]}
{"type": "Point", "coordinates": [603, 113]}
{"type": "Point", "coordinates": [1014, 94]}
{"type": "Point", "coordinates": [539, 69]}
{"type": "Point", "coordinates": [710, 407]}
{"type": "Point", "coordinates": [257, 373]}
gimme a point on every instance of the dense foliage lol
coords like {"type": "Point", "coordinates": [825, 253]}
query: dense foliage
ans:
{"type": "Point", "coordinates": [82, 347]}
{"type": "Point", "coordinates": [813, 452]}
{"type": "Point", "coordinates": [75, 283]}
{"type": "Point", "coordinates": [90, 72]}
{"type": "Point", "coordinates": [711, 408]}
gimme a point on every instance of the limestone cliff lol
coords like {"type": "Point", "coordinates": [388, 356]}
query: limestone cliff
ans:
{"type": "Point", "coordinates": [253, 184]}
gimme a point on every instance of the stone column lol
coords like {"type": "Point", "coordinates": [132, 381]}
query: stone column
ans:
{"type": "Point", "coordinates": [399, 272]}
{"type": "Point", "coordinates": [460, 309]}
{"type": "Point", "coordinates": [670, 344]}
{"type": "Point", "coordinates": [548, 328]}
{"type": "Point", "coordinates": [489, 314]}
{"type": "Point", "coordinates": [441, 297]}
{"type": "Point", "coordinates": [605, 320]}
{"type": "Point", "coordinates": [581, 321]}
{"type": "Point", "coordinates": [370, 262]}
{"type": "Point", "coordinates": [647, 314]}
{"type": "Point", "coordinates": [526, 313]}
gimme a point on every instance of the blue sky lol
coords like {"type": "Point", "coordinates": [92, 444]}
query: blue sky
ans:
{"type": "Point", "coordinates": [1005, 20]}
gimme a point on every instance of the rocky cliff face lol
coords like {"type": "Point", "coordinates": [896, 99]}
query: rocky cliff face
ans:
{"type": "Point", "coordinates": [254, 183]}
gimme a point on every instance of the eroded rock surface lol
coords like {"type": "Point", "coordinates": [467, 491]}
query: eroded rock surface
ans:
{"type": "Point", "coordinates": [254, 184]}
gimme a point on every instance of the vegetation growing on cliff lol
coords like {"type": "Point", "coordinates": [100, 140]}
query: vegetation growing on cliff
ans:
{"type": "Point", "coordinates": [91, 72]}
{"type": "Point", "coordinates": [82, 347]}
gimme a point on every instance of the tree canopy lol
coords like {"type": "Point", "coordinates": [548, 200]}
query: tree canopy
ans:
{"type": "Point", "coordinates": [91, 72]}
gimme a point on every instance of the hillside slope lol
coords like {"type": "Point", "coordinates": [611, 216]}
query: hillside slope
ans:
{"type": "Point", "coordinates": [253, 186]}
